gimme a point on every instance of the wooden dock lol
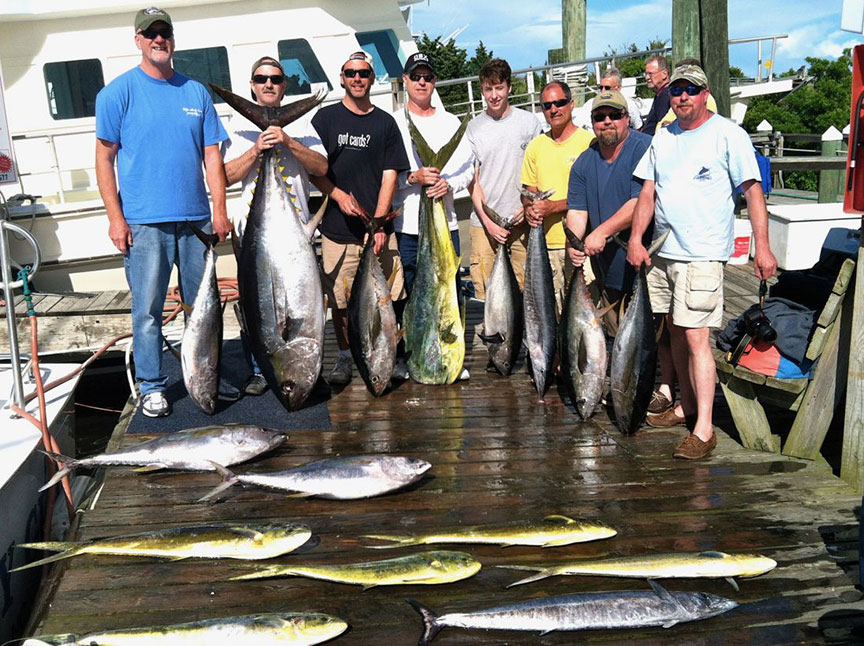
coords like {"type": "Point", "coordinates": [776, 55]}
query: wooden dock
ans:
{"type": "Point", "coordinates": [498, 454]}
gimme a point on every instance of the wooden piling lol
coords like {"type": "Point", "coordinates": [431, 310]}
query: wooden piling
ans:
{"type": "Point", "coordinates": [831, 181]}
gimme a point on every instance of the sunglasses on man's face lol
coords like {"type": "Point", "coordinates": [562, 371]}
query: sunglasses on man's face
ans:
{"type": "Point", "coordinates": [607, 87]}
{"type": "Point", "coordinates": [261, 79]}
{"type": "Point", "coordinates": [363, 74]}
{"type": "Point", "coordinates": [415, 78]}
{"type": "Point", "coordinates": [150, 33]}
{"type": "Point", "coordinates": [558, 103]}
{"type": "Point", "coordinates": [599, 117]}
{"type": "Point", "coordinates": [691, 90]}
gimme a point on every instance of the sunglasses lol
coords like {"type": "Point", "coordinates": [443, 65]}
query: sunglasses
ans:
{"type": "Point", "coordinates": [558, 103]}
{"type": "Point", "coordinates": [363, 74]}
{"type": "Point", "coordinates": [426, 77]}
{"type": "Point", "coordinates": [261, 79]}
{"type": "Point", "coordinates": [607, 87]}
{"type": "Point", "coordinates": [615, 116]}
{"type": "Point", "coordinates": [150, 33]}
{"type": "Point", "coordinates": [691, 90]}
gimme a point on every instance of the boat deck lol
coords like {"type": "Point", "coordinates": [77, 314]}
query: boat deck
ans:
{"type": "Point", "coordinates": [498, 455]}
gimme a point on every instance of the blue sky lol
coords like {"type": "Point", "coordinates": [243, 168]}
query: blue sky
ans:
{"type": "Point", "coordinates": [522, 31]}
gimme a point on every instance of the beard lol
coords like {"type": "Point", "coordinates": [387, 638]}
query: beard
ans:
{"type": "Point", "coordinates": [609, 138]}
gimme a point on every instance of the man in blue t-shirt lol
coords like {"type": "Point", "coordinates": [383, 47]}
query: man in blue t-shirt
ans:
{"type": "Point", "coordinates": [159, 126]}
{"type": "Point", "coordinates": [601, 197]}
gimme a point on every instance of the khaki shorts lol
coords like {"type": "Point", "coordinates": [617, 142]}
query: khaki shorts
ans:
{"type": "Point", "coordinates": [562, 269]}
{"type": "Point", "coordinates": [691, 291]}
{"type": "Point", "coordinates": [483, 248]}
{"type": "Point", "coordinates": [339, 266]}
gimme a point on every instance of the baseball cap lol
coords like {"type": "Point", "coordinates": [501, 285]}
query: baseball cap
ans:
{"type": "Point", "coordinates": [146, 17]}
{"type": "Point", "coordinates": [366, 57]}
{"type": "Point", "coordinates": [416, 60]}
{"type": "Point", "coordinates": [267, 60]}
{"type": "Point", "coordinates": [610, 99]}
{"type": "Point", "coordinates": [692, 73]}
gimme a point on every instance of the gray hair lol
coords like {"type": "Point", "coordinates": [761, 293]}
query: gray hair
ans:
{"type": "Point", "coordinates": [610, 72]}
{"type": "Point", "coordinates": [662, 63]}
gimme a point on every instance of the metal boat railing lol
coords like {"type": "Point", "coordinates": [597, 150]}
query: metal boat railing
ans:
{"type": "Point", "coordinates": [9, 285]}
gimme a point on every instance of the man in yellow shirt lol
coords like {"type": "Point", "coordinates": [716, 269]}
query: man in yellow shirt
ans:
{"type": "Point", "coordinates": [546, 167]}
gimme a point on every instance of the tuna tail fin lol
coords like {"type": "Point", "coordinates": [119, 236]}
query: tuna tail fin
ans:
{"type": "Point", "coordinates": [541, 573]}
{"type": "Point", "coordinates": [228, 480]}
{"type": "Point", "coordinates": [315, 220]}
{"type": "Point", "coordinates": [397, 541]}
{"type": "Point", "coordinates": [48, 559]}
{"type": "Point", "coordinates": [68, 463]}
{"type": "Point", "coordinates": [658, 243]}
{"type": "Point", "coordinates": [209, 239]}
{"type": "Point", "coordinates": [427, 157]}
{"type": "Point", "coordinates": [497, 219]}
{"type": "Point", "coordinates": [431, 627]}
{"type": "Point", "coordinates": [575, 241]}
{"type": "Point", "coordinates": [264, 117]}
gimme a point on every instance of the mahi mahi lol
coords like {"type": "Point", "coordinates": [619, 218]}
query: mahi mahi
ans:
{"type": "Point", "coordinates": [704, 565]}
{"type": "Point", "coordinates": [281, 297]}
{"type": "Point", "coordinates": [582, 342]}
{"type": "Point", "coordinates": [270, 629]}
{"type": "Point", "coordinates": [347, 478]}
{"type": "Point", "coordinates": [202, 336]}
{"type": "Point", "coordinates": [425, 568]}
{"type": "Point", "coordinates": [215, 541]}
{"type": "Point", "coordinates": [539, 305]}
{"type": "Point", "coordinates": [194, 449]}
{"type": "Point", "coordinates": [434, 325]}
{"type": "Point", "coordinates": [551, 531]}
{"type": "Point", "coordinates": [502, 311]}
{"type": "Point", "coordinates": [601, 610]}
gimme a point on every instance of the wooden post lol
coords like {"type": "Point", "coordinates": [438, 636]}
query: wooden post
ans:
{"type": "Point", "coordinates": [573, 19]}
{"type": "Point", "coordinates": [831, 181]}
{"type": "Point", "coordinates": [686, 30]}
{"type": "Point", "coordinates": [714, 35]}
{"type": "Point", "coordinates": [852, 464]}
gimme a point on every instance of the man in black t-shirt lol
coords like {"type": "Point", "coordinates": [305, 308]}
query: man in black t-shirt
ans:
{"type": "Point", "coordinates": [365, 154]}
{"type": "Point", "coordinates": [657, 76]}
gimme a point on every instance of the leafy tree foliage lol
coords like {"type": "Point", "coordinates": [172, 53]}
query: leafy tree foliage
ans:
{"type": "Point", "coordinates": [451, 62]}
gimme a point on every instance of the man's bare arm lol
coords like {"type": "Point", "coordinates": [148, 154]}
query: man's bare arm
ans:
{"type": "Point", "coordinates": [118, 229]}
{"type": "Point", "coordinates": [214, 171]}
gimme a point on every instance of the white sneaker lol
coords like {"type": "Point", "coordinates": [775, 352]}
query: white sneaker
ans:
{"type": "Point", "coordinates": [400, 370]}
{"type": "Point", "coordinates": [155, 405]}
{"type": "Point", "coordinates": [342, 372]}
{"type": "Point", "coordinates": [464, 375]}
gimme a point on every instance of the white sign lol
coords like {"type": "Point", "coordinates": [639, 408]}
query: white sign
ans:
{"type": "Point", "coordinates": [852, 16]}
{"type": "Point", "coordinates": [8, 171]}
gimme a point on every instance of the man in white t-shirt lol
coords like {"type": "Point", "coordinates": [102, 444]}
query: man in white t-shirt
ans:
{"type": "Point", "coordinates": [690, 172]}
{"type": "Point", "coordinates": [302, 155]}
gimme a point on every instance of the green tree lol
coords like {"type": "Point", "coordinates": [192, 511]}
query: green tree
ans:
{"type": "Point", "coordinates": [452, 62]}
{"type": "Point", "coordinates": [635, 66]}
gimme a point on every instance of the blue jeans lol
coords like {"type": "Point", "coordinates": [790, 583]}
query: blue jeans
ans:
{"type": "Point", "coordinates": [156, 248]}
{"type": "Point", "coordinates": [408, 253]}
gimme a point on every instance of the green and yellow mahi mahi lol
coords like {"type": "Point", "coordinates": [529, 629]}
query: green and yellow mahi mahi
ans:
{"type": "Point", "coordinates": [551, 531]}
{"type": "Point", "coordinates": [271, 629]}
{"type": "Point", "coordinates": [425, 568]}
{"type": "Point", "coordinates": [215, 541]}
{"type": "Point", "coordinates": [707, 565]}
{"type": "Point", "coordinates": [434, 324]}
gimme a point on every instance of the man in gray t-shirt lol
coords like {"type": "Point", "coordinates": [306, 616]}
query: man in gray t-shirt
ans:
{"type": "Point", "coordinates": [498, 138]}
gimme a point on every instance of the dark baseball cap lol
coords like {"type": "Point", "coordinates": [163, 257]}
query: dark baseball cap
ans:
{"type": "Point", "coordinates": [417, 60]}
{"type": "Point", "coordinates": [146, 17]}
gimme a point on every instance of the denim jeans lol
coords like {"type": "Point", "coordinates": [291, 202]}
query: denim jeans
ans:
{"type": "Point", "coordinates": [155, 249]}
{"type": "Point", "coordinates": [408, 253]}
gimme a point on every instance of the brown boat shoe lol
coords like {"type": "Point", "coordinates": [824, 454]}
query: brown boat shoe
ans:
{"type": "Point", "coordinates": [659, 403]}
{"type": "Point", "coordinates": [666, 419]}
{"type": "Point", "coordinates": [692, 448]}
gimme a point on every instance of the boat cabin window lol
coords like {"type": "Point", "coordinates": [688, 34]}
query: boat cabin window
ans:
{"type": "Point", "coordinates": [205, 65]}
{"type": "Point", "coordinates": [72, 87]}
{"type": "Point", "coordinates": [301, 67]}
{"type": "Point", "coordinates": [385, 53]}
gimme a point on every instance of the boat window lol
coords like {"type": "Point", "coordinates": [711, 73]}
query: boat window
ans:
{"type": "Point", "coordinates": [301, 67]}
{"type": "Point", "coordinates": [72, 88]}
{"type": "Point", "coordinates": [205, 65]}
{"type": "Point", "coordinates": [385, 53]}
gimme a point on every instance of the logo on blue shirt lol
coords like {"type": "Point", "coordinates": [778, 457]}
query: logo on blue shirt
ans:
{"type": "Point", "coordinates": [193, 112]}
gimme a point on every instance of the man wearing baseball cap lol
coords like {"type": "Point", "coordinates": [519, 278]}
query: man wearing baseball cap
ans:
{"type": "Point", "coordinates": [601, 197]}
{"type": "Point", "coordinates": [159, 126]}
{"type": "Point", "coordinates": [690, 172]}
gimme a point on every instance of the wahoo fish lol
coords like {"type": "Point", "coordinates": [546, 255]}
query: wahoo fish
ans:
{"type": "Point", "coordinates": [502, 311]}
{"type": "Point", "coordinates": [582, 342]}
{"type": "Point", "coordinates": [348, 478]}
{"type": "Point", "coordinates": [194, 449]}
{"type": "Point", "coordinates": [373, 332]}
{"type": "Point", "coordinates": [434, 323]}
{"type": "Point", "coordinates": [425, 568]}
{"type": "Point", "coordinates": [551, 531]}
{"type": "Point", "coordinates": [202, 336]}
{"type": "Point", "coordinates": [539, 303]}
{"type": "Point", "coordinates": [271, 629]}
{"type": "Point", "coordinates": [704, 565]}
{"type": "Point", "coordinates": [214, 541]}
{"type": "Point", "coordinates": [634, 355]}
{"type": "Point", "coordinates": [281, 297]}
{"type": "Point", "coordinates": [601, 610]}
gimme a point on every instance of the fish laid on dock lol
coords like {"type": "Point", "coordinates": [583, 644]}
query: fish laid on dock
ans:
{"type": "Point", "coordinates": [193, 449]}
{"type": "Point", "coordinates": [707, 565]}
{"type": "Point", "coordinates": [601, 610]}
{"type": "Point", "coordinates": [425, 568]}
{"type": "Point", "coordinates": [347, 478]}
{"type": "Point", "coordinates": [215, 541]}
{"type": "Point", "coordinates": [552, 531]}
{"type": "Point", "coordinates": [270, 629]}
